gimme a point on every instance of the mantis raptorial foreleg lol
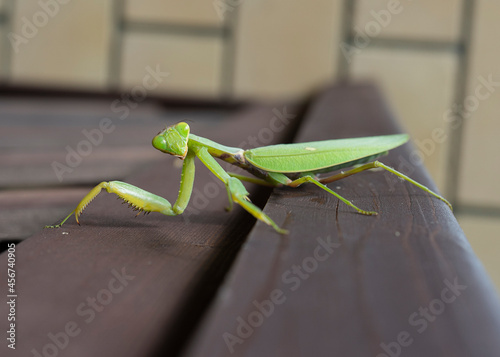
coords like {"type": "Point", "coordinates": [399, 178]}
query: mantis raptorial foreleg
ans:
{"type": "Point", "coordinates": [378, 164]}
{"type": "Point", "coordinates": [141, 200]}
{"type": "Point", "coordinates": [236, 189]}
{"type": "Point", "coordinates": [186, 186]}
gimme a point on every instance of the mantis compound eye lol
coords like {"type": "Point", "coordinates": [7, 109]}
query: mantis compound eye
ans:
{"type": "Point", "coordinates": [183, 129]}
{"type": "Point", "coordinates": [160, 143]}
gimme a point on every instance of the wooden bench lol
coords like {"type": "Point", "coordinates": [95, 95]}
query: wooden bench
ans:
{"type": "Point", "coordinates": [212, 283]}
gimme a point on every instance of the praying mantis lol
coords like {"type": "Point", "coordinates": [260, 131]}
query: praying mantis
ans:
{"type": "Point", "coordinates": [277, 165]}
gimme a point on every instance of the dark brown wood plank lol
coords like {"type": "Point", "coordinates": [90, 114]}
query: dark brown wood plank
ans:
{"type": "Point", "coordinates": [24, 212]}
{"type": "Point", "coordinates": [53, 142]}
{"type": "Point", "coordinates": [16, 90]}
{"type": "Point", "coordinates": [128, 286]}
{"type": "Point", "coordinates": [41, 138]}
{"type": "Point", "coordinates": [403, 283]}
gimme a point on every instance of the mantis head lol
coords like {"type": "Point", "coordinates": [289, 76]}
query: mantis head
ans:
{"type": "Point", "coordinates": [173, 140]}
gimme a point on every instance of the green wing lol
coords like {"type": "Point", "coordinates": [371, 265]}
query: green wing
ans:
{"type": "Point", "coordinates": [316, 155]}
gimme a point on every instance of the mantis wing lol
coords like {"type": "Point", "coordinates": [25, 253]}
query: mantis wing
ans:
{"type": "Point", "coordinates": [317, 155]}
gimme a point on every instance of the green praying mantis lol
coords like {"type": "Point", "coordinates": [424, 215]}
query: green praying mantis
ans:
{"type": "Point", "coordinates": [276, 165]}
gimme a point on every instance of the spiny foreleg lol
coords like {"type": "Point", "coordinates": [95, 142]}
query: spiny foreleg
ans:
{"type": "Point", "coordinates": [141, 200]}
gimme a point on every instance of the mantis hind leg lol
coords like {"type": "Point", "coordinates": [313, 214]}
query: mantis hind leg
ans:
{"type": "Point", "coordinates": [311, 179]}
{"type": "Point", "coordinates": [378, 164]}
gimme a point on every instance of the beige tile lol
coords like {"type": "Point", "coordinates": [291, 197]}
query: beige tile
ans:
{"type": "Point", "coordinates": [423, 19]}
{"type": "Point", "coordinates": [194, 63]}
{"type": "Point", "coordinates": [199, 12]}
{"type": "Point", "coordinates": [482, 234]}
{"type": "Point", "coordinates": [286, 49]}
{"type": "Point", "coordinates": [65, 45]}
{"type": "Point", "coordinates": [419, 89]}
{"type": "Point", "coordinates": [479, 180]}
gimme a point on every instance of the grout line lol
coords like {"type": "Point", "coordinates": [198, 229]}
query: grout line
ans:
{"type": "Point", "coordinates": [483, 211]}
{"type": "Point", "coordinates": [345, 37]}
{"type": "Point", "coordinates": [174, 28]}
{"type": "Point", "coordinates": [415, 44]}
{"type": "Point", "coordinates": [228, 62]}
{"type": "Point", "coordinates": [461, 80]}
{"type": "Point", "coordinates": [116, 45]}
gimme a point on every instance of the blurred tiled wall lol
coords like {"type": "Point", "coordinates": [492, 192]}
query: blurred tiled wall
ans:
{"type": "Point", "coordinates": [431, 58]}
